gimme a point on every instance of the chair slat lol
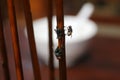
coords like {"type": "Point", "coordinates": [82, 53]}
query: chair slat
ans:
{"type": "Point", "coordinates": [3, 50]}
{"type": "Point", "coordinates": [15, 40]}
{"type": "Point", "coordinates": [51, 57]}
{"type": "Point", "coordinates": [28, 18]}
{"type": "Point", "coordinates": [61, 41]}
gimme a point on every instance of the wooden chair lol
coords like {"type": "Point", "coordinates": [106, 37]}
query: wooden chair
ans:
{"type": "Point", "coordinates": [11, 50]}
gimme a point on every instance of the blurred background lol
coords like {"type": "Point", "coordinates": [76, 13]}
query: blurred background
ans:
{"type": "Point", "coordinates": [102, 58]}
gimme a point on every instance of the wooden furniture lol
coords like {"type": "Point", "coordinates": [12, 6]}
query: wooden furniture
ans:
{"type": "Point", "coordinates": [11, 40]}
{"type": "Point", "coordinates": [102, 61]}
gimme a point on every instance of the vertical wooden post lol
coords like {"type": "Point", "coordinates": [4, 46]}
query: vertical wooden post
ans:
{"type": "Point", "coordinates": [28, 17]}
{"type": "Point", "coordinates": [61, 41]}
{"type": "Point", "coordinates": [3, 48]}
{"type": "Point", "coordinates": [51, 57]}
{"type": "Point", "coordinates": [15, 40]}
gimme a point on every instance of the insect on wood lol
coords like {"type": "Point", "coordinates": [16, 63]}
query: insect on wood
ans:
{"type": "Point", "coordinates": [59, 32]}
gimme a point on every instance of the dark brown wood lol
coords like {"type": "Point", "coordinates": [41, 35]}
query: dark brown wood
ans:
{"type": "Point", "coordinates": [61, 41]}
{"type": "Point", "coordinates": [51, 57]}
{"type": "Point", "coordinates": [3, 50]}
{"type": "Point", "coordinates": [28, 18]}
{"type": "Point", "coordinates": [108, 20]}
{"type": "Point", "coordinates": [15, 40]}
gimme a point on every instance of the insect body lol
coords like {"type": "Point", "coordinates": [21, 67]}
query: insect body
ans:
{"type": "Point", "coordinates": [58, 52]}
{"type": "Point", "coordinates": [59, 32]}
{"type": "Point", "coordinates": [69, 32]}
